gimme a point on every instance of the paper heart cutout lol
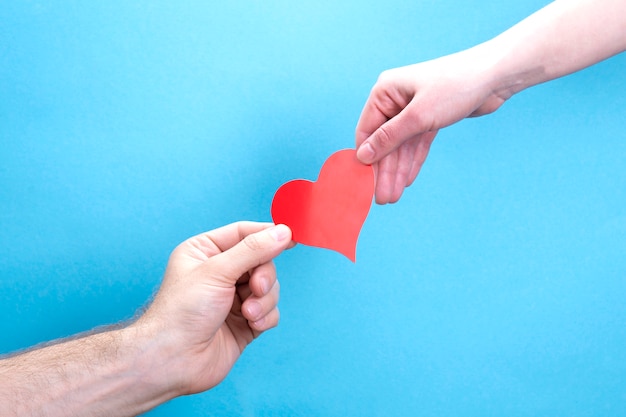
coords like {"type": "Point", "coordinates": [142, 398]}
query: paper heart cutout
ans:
{"type": "Point", "coordinates": [329, 212]}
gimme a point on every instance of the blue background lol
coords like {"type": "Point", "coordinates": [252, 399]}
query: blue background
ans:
{"type": "Point", "coordinates": [494, 287]}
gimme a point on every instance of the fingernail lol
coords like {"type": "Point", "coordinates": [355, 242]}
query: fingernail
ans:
{"type": "Point", "coordinates": [366, 153]}
{"type": "Point", "coordinates": [279, 232]}
{"type": "Point", "coordinates": [259, 323]}
{"type": "Point", "coordinates": [254, 309]}
{"type": "Point", "coordinates": [265, 286]}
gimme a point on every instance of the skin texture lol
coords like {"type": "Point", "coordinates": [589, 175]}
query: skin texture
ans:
{"type": "Point", "coordinates": [218, 294]}
{"type": "Point", "coordinates": [407, 106]}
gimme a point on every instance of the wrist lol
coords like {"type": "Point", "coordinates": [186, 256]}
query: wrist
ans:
{"type": "Point", "coordinates": [511, 69]}
{"type": "Point", "coordinates": [152, 363]}
{"type": "Point", "coordinates": [485, 77]}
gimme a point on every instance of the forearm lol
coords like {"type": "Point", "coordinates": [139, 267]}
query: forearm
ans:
{"type": "Point", "coordinates": [563, 37]}
{"type": "Point", "coordinates": [110, 373]}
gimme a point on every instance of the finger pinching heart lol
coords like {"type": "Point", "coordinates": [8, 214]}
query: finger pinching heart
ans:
{"type": "Point", "coordinates": [330, 212]}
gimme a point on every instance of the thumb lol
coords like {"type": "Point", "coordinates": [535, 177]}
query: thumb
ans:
{"type": "Point", "coordinates": [390, 136]}
{"type": "Point", "coordinates": [253, 250]}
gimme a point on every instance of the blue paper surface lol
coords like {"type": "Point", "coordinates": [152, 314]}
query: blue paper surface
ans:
{"type": "Point", "coordinates": [494, 287]}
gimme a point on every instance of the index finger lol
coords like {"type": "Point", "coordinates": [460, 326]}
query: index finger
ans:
{"type": "Point", "coordinates": [371, 119]}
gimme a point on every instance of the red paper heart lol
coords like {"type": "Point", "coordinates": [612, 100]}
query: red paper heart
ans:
{"type": "Point", "coordinates": [330, 212]}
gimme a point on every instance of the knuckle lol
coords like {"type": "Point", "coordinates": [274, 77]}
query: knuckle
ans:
{"type": "Point", "coordinates": [383, 137]}
{"type": "Point", "coordinates": [402, 173]}
{"type": "Point", "coordinates": [253, 242]}
{"type": "Point", "coordinates": [276, 295]}
{"type": "Point", "coordinates": [385, 77]}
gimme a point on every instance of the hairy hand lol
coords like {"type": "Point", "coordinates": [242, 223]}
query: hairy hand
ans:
{"type": "Point", "coordinates": [219, 292]}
